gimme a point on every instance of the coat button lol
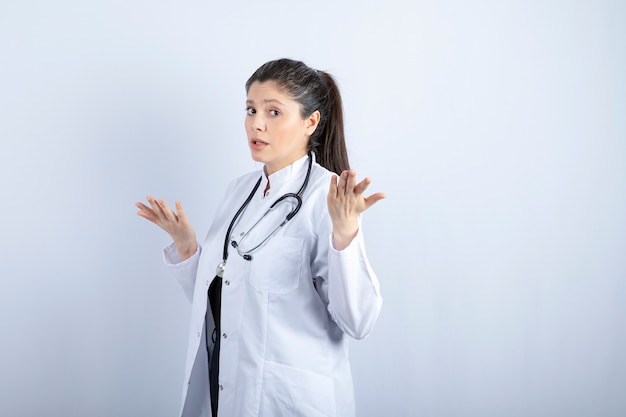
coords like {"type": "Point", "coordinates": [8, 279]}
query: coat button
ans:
{"type": "Point", "coordinates": [207, 282]}
{"type": "Point", "coordinates": [227, 282]}
{"type": "Point", "coordinates": [221, 387]}
{"type": "Point", "coordinates": [199, 334]}
{"type": "Point", "coordinates": [224, 335]}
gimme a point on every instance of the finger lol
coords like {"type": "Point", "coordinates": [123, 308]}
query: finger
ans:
{"type": "Point", "coordinates": [333, 188]}
{"type": "Point", "coordinates": [143, 207]}
{"type": "Point", "coordinates": [343, 182]}
{"type": "Point", "coordinates": [373, 199]}
{"type": "Point", "coordinates": [148, 216]}
{"type": "Point", "coordinates": [169, 214]}
{"type": "Point", "coordinates": [156, 208]}
{"type": "Point", "coordinates": [350, 182]}
{"type": "Point", "coordinates": [180, 211]}
{"type": "Point", "coordinates": [161, 209]}
{"type": "Point", "coordinates": [362, 186]}
{"type": "Point", "coordinates": [146, 212]}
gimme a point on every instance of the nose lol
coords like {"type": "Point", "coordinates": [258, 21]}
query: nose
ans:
{"type": "Point", "coordinates": [256, 122]}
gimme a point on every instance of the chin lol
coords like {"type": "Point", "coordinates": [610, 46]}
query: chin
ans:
{"type": "Point", "coordinates": [257, 157]}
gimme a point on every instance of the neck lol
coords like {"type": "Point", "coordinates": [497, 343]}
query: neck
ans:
{"type": "Point", "coordinates": [270, 169]}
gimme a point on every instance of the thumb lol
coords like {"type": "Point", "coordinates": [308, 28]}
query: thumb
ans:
{"type": "Point", "coordinates": [373, 199]}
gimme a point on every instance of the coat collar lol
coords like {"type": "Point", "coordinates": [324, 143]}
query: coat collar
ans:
{"type": "Point", "coordinates": [284, 175]}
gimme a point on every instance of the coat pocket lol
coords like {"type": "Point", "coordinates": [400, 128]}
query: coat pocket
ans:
{"type": "Point", "coordinates": [295, 392]}
{"type": "Point", "coordinates": [276, 269]}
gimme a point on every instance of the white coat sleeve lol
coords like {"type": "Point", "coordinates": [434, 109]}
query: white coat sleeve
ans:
{"type": "Point", "coordinates": [185, 270]}
{"type": "Point", "coordinates": [350, 287]}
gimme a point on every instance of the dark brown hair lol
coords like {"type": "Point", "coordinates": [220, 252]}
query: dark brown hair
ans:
{"type": "Point", "coordinates": [314, 90]}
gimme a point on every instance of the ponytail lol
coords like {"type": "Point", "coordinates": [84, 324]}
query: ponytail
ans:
{"type": "Point", "coordinates": [315, 91]}
{"type": "Point", "coordinates": [328, 141]}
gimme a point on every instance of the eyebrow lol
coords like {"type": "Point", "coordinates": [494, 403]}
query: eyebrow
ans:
{"type": "Point", "coordinates": [268, 100]}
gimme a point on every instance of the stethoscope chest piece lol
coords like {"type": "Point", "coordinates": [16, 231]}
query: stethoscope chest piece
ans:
{"type": "Point", "coordinates": [219, 271]}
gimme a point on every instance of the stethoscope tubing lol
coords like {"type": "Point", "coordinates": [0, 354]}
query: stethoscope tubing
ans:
{"type": "Point", "coordinates": [290, 215]}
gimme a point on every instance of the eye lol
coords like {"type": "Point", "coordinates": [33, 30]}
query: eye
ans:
{"type": "Point", "coordinates": [274, 112]}
{"type": "Point", "coordinates": [250, 111]}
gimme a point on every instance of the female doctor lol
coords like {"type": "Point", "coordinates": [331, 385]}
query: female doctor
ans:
{"type": "Point", "coordinates": [282, 277]}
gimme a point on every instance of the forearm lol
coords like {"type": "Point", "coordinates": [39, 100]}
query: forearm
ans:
{"type": "Point", "coordinates": [353, 290]}
{"type": "Point", "coordinates": [344, 233]}
{"type": "Point", "coordinates": [186, 249]}
{"type": "Point", "coordinates": [185, 269]}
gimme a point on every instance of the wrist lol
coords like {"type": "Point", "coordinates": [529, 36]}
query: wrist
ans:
{"type": "Point", "coordinates": [186, 251]}
{"type": "Point", "coordinates": [343, 238]}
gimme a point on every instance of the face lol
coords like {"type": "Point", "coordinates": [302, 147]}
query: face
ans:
{"type": "Point", "coordinates": [277, 133]}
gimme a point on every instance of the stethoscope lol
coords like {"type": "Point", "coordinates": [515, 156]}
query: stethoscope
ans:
{"type": "Point", "coordinates": [214, 291]}
{"type": "Point", "coordinates": [247, 254]}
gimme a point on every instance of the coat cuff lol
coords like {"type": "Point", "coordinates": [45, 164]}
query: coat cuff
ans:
{"type": "Point", "coordinates": [171, 257]}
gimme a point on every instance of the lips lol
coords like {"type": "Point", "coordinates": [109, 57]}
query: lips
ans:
{"type": "Point", "coordinates": [257, 144]}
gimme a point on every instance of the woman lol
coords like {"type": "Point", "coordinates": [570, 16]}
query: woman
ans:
{"type": "Point", "coordinates": [284, 285]}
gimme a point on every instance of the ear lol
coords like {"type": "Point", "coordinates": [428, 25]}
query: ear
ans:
{"type": "Point", "coordinates": [311, 122]}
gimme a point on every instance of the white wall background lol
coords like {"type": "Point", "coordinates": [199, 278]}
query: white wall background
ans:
{"type": "Point", "coordinates": [497, 128]}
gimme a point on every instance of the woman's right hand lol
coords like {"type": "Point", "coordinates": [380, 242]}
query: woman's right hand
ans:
{"type": "Point", "coordinates": [175, 224]}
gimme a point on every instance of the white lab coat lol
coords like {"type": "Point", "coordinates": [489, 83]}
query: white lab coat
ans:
{"type": "Point", "coordinates": [285, 313]}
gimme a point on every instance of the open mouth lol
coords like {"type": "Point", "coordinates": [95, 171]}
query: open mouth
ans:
{"type": "Point", "coordinates": [257, 142]}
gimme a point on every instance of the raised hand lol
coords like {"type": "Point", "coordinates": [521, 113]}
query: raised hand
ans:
{"type": "Point", "coordinates": [345, 203]}
{"type": "Point", "coordinates": [175, 224]}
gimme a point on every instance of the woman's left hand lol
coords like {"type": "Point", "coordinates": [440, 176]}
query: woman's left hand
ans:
{"type": "Point", "coordinates": [345, 203]}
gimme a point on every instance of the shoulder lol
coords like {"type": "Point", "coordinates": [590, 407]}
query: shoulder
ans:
{"type": "Point", "coordinates": [317, 188]}
{"type": "Point", "coordinates": [319, 179]}
{"type": "Point", "coordinates": [321, 174]}
{"type": "Point", "coordinates": [240, 186]}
